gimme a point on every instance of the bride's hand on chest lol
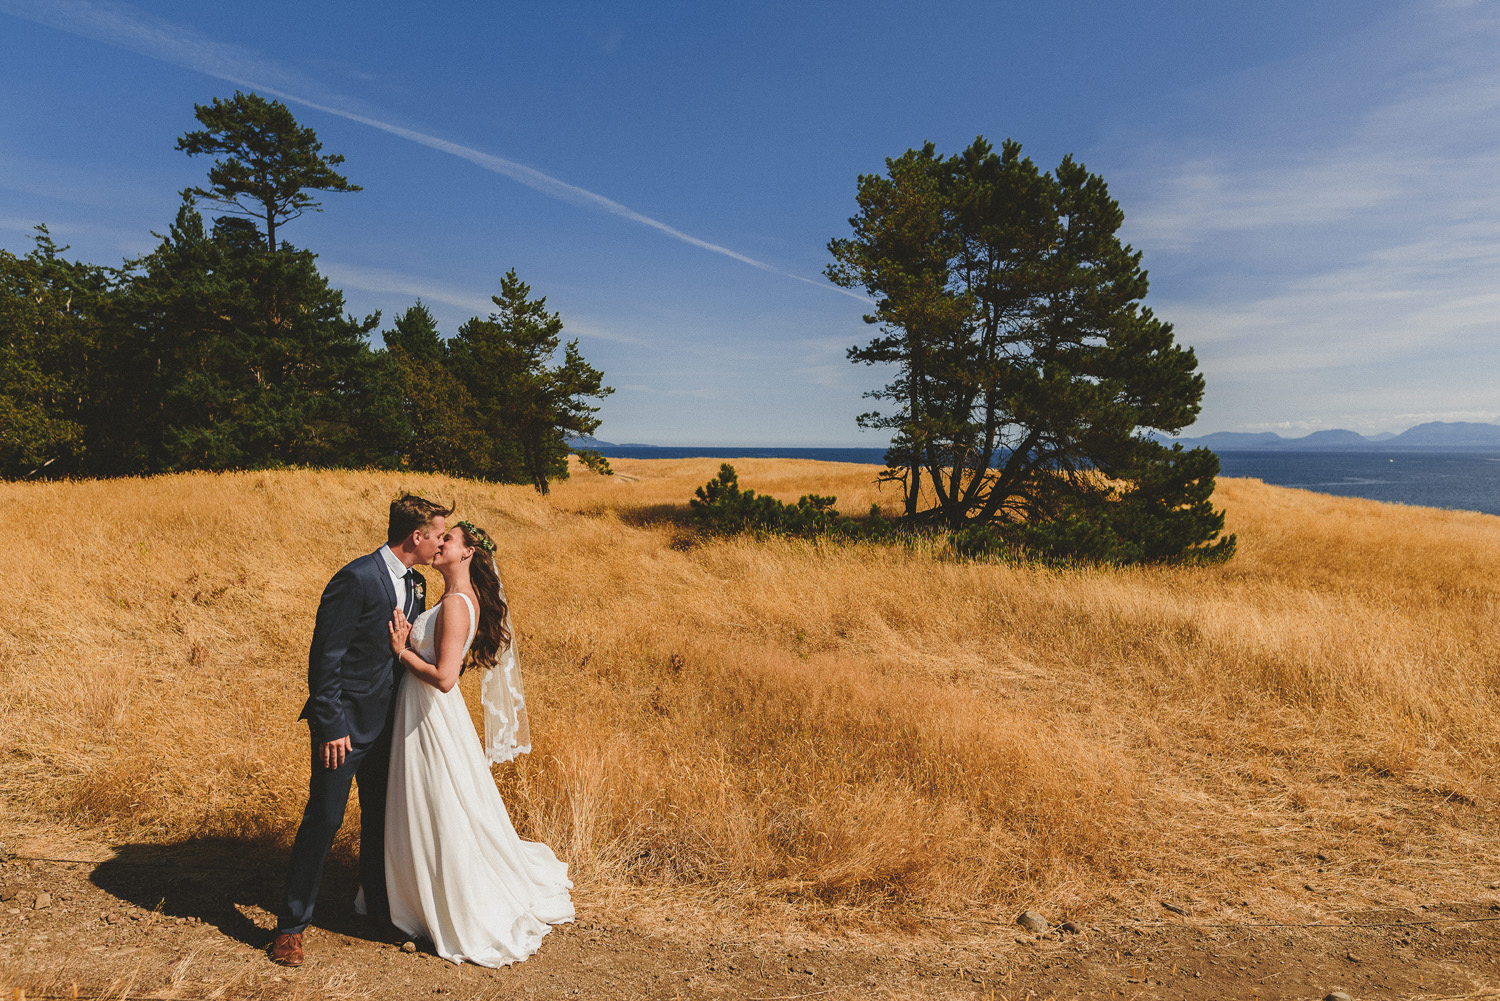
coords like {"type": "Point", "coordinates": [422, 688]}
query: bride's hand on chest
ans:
{"type": "Point", "coordinates": [400, 631]}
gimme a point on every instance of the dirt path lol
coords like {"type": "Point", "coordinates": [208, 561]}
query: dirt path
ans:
{"type": "Point", "coordinates": [153, 923]}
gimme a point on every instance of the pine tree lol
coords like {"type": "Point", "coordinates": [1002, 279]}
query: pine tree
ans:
{"type": "Point", "coordinates": [443, 430]}
{"type": "Point", "coordinates": [269, 162]}
{"type": "Point", "coordinates": [243, 357]}
{"type": "Point", "coordinates": [1028, 374]}
{"type": "Point", "coordinates": [50, 358]}
{"type": "Point", "coordinates": [524, 406]}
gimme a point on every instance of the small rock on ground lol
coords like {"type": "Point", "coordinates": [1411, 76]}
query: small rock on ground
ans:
{"type": "Point", "coordinates": [1032, 922]}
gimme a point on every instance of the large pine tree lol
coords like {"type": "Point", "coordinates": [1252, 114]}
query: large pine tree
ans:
{"type": "Point", "coordinates": [269, 162]}
{"type": "Point", "coordinates": [1028, 374]}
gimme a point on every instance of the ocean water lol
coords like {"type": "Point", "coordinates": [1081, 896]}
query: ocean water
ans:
{"type": "Point", "coordinates": [1465, 481]}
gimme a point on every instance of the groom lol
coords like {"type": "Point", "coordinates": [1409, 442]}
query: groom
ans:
{"type": "Point", "coordinates": [351, 681]}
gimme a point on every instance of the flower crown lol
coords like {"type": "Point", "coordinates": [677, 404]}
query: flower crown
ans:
{"type": "Point", "coordinates": [477, 536]}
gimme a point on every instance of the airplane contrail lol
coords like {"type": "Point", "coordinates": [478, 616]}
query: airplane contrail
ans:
{"type": "Point", "coordinates": [116, 25]}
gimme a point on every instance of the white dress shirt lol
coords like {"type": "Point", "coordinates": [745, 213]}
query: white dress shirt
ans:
{"type": "Point", "coordinates": [398, 571]}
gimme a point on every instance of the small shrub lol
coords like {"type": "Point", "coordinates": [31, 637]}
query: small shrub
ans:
{"type": "Point", "coordinates": [721, 506]}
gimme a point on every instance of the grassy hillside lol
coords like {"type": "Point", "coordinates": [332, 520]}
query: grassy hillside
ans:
{"type": "Point", "coordinates": [843, 724]}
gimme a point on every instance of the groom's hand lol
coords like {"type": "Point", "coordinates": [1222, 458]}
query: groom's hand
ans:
{"type": "Point", "coordinates": [335, 751]}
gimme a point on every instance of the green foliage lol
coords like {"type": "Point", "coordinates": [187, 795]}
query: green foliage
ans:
{"type": "Point", "coordinates": [442, 432]}
{"type": "Point", "coordinates": [1167, 513]}
{"type": "Point", "coordinates": [416, 335]}
{"type": "Point", "coordinates": [269, 162]}
{"type": "Point", "coordinates": [50, 358]}
{"type": "Point", "coordinates": [594, 461]}
{"type": "Point", "coordinates": [524, 404]}
{"type": "Point", "coordinates": [228, 355]}
{"type": "Point", "coordinates": [1025, 363]}
{"type": "Point", "coordinates": [1162, 515]}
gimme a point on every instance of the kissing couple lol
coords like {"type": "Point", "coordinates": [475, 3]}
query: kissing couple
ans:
{"type": "Point", "coordinates": [439, 859]}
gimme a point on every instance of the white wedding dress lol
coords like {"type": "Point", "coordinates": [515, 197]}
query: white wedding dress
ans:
{"type": "Point", "coordinates": [456, 871]}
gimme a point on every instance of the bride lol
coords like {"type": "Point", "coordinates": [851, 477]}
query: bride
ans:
{"type": "Point", "coordinates": [456, 871]}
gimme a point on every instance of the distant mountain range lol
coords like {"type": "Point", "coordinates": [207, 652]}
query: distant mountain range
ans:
{"type": "Point", "coordinates": [1434, 436]}
{"type": "Point", "coordinates": [589, 441]}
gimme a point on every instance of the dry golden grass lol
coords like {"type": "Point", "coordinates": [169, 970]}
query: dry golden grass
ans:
{"type": "Point", "coordinates": [762, 721]}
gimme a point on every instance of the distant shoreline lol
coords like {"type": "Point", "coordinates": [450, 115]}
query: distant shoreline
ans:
{"type": "Point", "coordinates": [1434, 437]}
{"type": "Point", "coordinates": [1454, 479]}
{"type": "Point", "coordinates": [876, 456]}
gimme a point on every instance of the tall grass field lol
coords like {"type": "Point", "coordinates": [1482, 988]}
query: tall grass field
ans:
{"type": "Point", "coordinates": [836, 727]}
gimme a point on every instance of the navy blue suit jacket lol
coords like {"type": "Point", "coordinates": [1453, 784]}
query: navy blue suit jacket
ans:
{"type": "Point", "coordinates": [350, 667]}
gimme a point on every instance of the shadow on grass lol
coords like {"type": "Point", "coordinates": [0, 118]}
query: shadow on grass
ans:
{"type": "Point", "coordinates": [677, 516]}
{"type": "Point", "coordinates": [215, 879]}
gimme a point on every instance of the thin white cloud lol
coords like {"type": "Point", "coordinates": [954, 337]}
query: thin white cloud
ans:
{"type": "Point", "coordinates": [63, 231]}
{"type": "Point", "coordinates": [549, 185]}
{"type": "Point", "coordinates": [1208, 199]}
{"type": "Point", "coordinates": [587, 329]}
{"type": "Point", "coordinates": [1413, 298]}
{"type": "Point", "coordinates": [382, 280]}
{"type": "Point", "coordinates": [1476, 416]}
{"type": "Point", "coordinates": [716, 395]}
{"type": "Point", "coordinates": [1368, 424]}
{"type": "Point", "coordinates": [1353, 273]}
{"type": "Point", "coordinates": [829, 376]}
{"type": "Point", "coordinates": [1424, 134]}
{"type": "Point", "coordinates": [135, 31]}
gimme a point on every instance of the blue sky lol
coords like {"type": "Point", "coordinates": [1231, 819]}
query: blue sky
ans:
{"type": "Point", "coordinates": [1314, 186]}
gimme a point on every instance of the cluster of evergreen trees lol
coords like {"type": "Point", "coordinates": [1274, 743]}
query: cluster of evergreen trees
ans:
{"type": "Point", "coordinates": [225, 348]}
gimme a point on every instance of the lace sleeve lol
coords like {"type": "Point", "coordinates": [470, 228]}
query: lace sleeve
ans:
{"type": "Point", "coordinates": [507, 732]}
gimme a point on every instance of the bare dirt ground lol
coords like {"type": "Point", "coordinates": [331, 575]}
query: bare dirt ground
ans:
{"type": "Point", "coordinates": [192, 921]}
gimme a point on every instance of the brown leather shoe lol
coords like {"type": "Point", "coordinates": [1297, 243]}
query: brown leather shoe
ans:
{"type": "Point", "coordinates": [287, 949]}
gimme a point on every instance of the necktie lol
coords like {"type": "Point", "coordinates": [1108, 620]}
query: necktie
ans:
{"type": "Point", "coordinates": [411, 593]}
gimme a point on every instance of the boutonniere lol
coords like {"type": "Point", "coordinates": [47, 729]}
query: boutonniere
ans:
{"type": "Point", "coordinates": [419, 588]}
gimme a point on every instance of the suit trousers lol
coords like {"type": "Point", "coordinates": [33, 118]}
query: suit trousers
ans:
{"type": "Point", "coordinates": [368, 766]}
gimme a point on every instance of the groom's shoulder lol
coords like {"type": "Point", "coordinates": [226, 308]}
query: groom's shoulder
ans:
{"type": "Point", "coordinates": [360, 566]}
{"type": "Point", "coordinates": [371, 557]}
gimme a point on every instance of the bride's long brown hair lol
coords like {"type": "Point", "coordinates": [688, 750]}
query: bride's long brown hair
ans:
{"type": "Point", "coordinates": [491, 636]}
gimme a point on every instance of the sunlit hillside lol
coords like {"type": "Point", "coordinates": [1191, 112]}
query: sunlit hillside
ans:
{"type": "Point", "coordinates": [826, 724]}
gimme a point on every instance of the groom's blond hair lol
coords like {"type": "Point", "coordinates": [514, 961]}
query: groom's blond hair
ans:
{"type": "Point", "coordinates": [410, 513]}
